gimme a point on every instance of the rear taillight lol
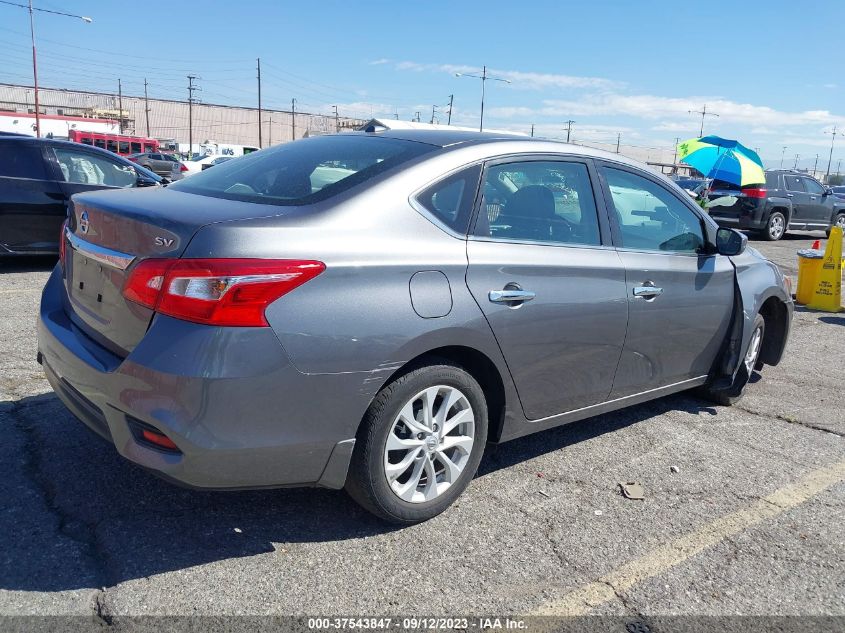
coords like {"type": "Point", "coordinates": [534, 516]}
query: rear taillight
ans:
{"type": "Point", "coordinates": [182, 167]}
{"type": "Point", "coordinates": [226, 292]}
{"type": "Point", "coordinates": [134, 160]}
{"type": "Point", "coordinates": [754, 192]}
{"type": "Point", "coordinates": [62, 242]}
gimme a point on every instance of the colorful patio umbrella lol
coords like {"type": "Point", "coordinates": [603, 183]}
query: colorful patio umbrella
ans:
{"type": "Point", "coordinates": [723, 159]}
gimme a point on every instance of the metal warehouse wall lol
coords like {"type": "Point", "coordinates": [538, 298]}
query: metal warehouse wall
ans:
{"type": "Point", "coordinates": [169, 119]}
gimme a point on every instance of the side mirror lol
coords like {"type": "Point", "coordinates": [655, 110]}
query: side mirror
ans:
{"type": "Point", "coordinates": [828, 191]}
{"type": "Point", "coordinates": [730, 242]}
{"type": "Point", "coordinates": [145, 182]}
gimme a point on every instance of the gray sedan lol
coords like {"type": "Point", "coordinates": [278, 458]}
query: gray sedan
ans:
{"type": "Point", "coordinates": [370, 310]}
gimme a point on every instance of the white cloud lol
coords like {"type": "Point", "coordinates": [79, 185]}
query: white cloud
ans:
{"type": "Point", "coordinates": [519, 79]}
{"type": "Point", "coordinates": [379, 62]}
{"type": "Point", "coordinates": [657, 107]}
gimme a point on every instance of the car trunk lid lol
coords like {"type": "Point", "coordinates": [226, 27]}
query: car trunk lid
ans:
{"type": "Point", "coordinates": [110, 231]}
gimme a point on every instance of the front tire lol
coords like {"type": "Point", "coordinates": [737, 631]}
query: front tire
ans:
{"type": "Point", "coordinates": [419, 445]}
{"type": "Point", "coordinates": [775, 227]}
{"type": "Point", "coordinates": [751, 361]}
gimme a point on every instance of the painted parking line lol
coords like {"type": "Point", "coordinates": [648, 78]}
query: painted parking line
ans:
{"type": "Point", "coordinates": [581, 600]}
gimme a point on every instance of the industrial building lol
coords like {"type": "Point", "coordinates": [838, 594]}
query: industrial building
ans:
{"type": "Point", "coordinates": [164, 119]}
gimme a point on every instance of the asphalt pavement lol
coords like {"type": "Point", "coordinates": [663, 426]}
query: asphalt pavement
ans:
{"type": "Point", "coordinates": [744, 510]}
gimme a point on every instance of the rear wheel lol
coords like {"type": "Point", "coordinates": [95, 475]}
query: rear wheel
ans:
{"type": "Point", "coordinates": [838, 221]}
{"type": "Point", "coordinates": [750, 362]}
{"type": "Point", "coordinates": [775, 227]}
{"type": "Point", "coordinates": [419, 445]}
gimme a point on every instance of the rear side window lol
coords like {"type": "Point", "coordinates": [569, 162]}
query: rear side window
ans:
{"type": "Point", "coordinates": [19, 160]}
{"type": "Point", "coordinates": [303, 172]}
{"type": "Point", "coordinates": [539, 201]}
{"type": "Point", "coordinates": [794, 183]}
{"type": "Point", "coordinates": [772, 181]}
{"type": "Point", "coordinates": [450, 200]}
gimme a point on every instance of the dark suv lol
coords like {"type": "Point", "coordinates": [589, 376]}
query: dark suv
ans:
{"type": "Point", "coordinates": [789, 200]}
{"type": "Point", "coordinates": [37, 178]}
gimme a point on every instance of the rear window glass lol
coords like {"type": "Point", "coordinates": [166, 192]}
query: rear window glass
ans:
{"type": "Point", "coordinates": [303, 172]}
{"type": "Point", "coordinates": [772, 181]}
{"type": "Point", "coordinates": [451, 200]}
{"type": "Point", "coordinates": [18, 160]}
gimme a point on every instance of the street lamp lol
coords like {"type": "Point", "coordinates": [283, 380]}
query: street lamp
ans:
{"type": "Point", "coordinates": [84, 18]}
{"type": "Point", "coordinates": [483, 77]}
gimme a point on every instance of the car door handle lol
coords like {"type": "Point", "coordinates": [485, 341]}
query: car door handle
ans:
{"type": "Point", "coordinates": [507, 295]}
{"type": "Point", "coordinates": [812, 197]}
{"type": "Point", "coordinates": [647, 292]}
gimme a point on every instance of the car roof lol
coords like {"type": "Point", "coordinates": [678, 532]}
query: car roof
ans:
{"type": "Point", "coordinates": [453, 139]}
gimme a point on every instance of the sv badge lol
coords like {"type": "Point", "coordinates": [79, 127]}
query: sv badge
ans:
{"type": "Point", "coordinates": [163, 241]}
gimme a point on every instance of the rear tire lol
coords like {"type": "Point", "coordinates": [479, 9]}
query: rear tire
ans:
{"type": "Point", "coordinates": [751, 361]}
{"type": "Point", "coordinates": [775, 227]}
{"type": "Point", "coordinates": [435, 451]}
{"type": "Point", "coordinates": [838, 221]}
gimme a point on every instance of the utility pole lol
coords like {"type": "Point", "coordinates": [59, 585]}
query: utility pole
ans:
{"type": "Point", "coordinates": [119, 106]}
{"type": "Point", "coordinates": [451, 100]}
{"type": "Point", "coordinates": [532, 130]}
{"type": "Point", "coordinates": [795, 166]}
{"type": "Point", "coordinates": [703, 112]}
{"type": "Point", "coordinates": [259, 103]}
{"type": "Point", "coordinates": [293, 119]}
{"type": "Point", "coordinates": [815, 166]}
{"type": "Point", "coordinates": [336, 120]}
{"type": "Point", "coordinates": [146, 106]}
{"type": "Point", "coordinates": [270, 130]}
{"type": "Point", "coordinates": [191, 100]}
{"type": "Point", "coordinates": [830, 158]}
{"type": "Point", "coordinates": [34, 73]}
{"type": "Point", "coordinates": [417, 117]}
{"type": "Point", "coordinates": [838, 165]}
{"type": "Point", "coordinates": [618, 138]}
{"type": "Point", "coordinates": [675, 157]}
{"type": "Point", "coordinates": [569, 129]}
{"type": "Point", "coordinates": [433, 110]}
{"type": "Point", "coordinates": [782, 154]}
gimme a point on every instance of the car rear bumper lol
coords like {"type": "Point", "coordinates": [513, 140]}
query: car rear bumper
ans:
{"type": "Point", "coordinates": [240, 414]}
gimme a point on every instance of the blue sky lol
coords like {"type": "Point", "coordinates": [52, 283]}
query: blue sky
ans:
{"type": "Point", "coordinates": [774, 71]}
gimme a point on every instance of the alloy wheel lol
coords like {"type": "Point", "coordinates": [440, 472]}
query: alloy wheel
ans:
{"type": "Point", "coordinates": [429, 444]}
{"type": "Point", "coordinates": [776, 227]}
{"type": "Point", "coordinates": [840, 221]}
{"type": "Point", "coordinates": [753, 350]}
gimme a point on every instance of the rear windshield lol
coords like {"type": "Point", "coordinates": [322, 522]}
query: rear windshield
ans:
{"type": "Point", "coordinates": [305, 171]}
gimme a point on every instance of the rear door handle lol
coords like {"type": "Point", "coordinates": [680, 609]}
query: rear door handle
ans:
{"type": "Point", "coordinates": [647, 292]}
{"type": "Point", "coordinates": [506, 296]}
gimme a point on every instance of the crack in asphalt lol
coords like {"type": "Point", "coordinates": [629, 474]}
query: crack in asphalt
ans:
{"type": "Point", "coordinates": [790, 420]}
{"type": "Point", "coordinates": [81, 532]}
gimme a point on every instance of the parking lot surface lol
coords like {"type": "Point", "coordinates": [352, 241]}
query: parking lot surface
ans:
{"type": "Point", "coordinates": [744, 510]}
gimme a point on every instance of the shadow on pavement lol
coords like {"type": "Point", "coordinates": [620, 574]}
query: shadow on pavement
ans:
{"type": "Point", "coordinates": [832, 320]}
{"type": "Point", "coordinates": [78, 515]}
{"type": "Point", "coordinates": [26, 264]}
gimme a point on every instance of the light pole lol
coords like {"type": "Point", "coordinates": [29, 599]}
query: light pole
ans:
{"type": "Point", "coordinates": [782, 154]}
{"type": "Point", "coordinates": [830, 158]}
{"type": "Point", "coordinates": [34, 58]}
{"type": "Point", "coordinates": [483, 77]}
